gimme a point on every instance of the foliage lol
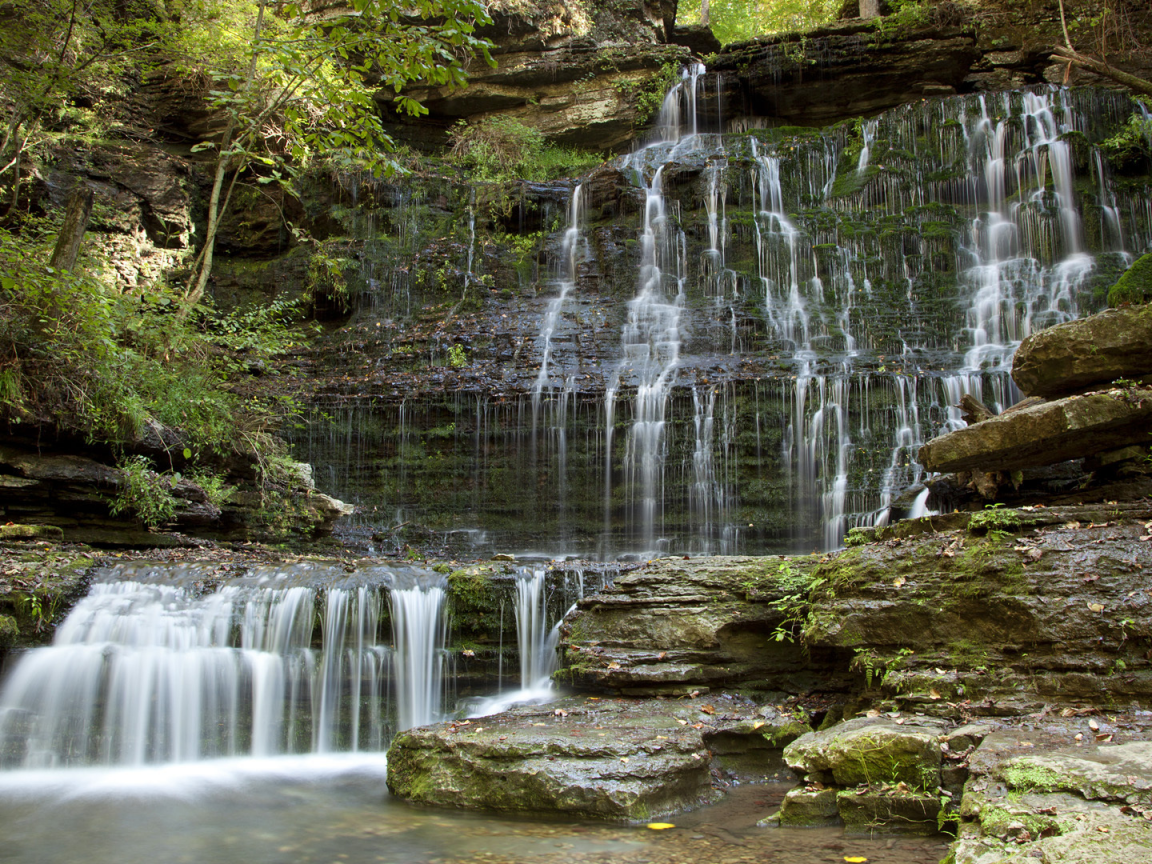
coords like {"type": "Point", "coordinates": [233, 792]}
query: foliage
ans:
{"type": "Point", "coordinates": [736, 20]}
{"type": "Point", "coordinates": [648, 95]}
{"type": "Point", "coordinates": [56, 51]}
{"type": "Point", "coordinates": [502, 148]}
{"type": "Point", "coordinates": [456, 356]}
{"type": "Point", "coordinates": [1131, 146]}
{"type": "Point", "coordinates": [144, 492]}
{"type": "Point", "coordinates": [994, 521]}
{"type": "Point", "coordinates": [77, 351]}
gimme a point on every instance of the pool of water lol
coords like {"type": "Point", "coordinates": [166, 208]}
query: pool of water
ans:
{"type": "Point", "coordinates": [336, 810]}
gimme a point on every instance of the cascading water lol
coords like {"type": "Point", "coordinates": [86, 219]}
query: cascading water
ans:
{"type": "Point", "coordinates": [418, 629]}
{"type": "Point", "coordinates": [150, 669]}
{"type": "Point", "coordinates": [838, 291]}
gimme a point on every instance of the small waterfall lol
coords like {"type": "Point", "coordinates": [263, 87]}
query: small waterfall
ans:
{"type": "Point", "coordinates": [418, 629]}
{"type": "Point", "coordinates": [536, 641]}
{"type": "Point", "coordinates": [142, 673]}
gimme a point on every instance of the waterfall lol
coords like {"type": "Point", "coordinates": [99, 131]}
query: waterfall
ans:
{"type": "Point", "coordinates": [418, 629]}
{"type": "Point", "coordinates": [151, 668]}
{"type": "Point", "coordinates": [837, 302]}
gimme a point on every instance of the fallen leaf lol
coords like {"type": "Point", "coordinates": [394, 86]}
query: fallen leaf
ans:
{"type": "Point", "coordinates": [660, 826]}
{"type": "Point", "coordinates": [898, 582]}
{"type": "Point", "coordinates": [560, 712]}
{"type": "Point", "coordinates": [872, 712]}
{"type": "Point", "coordinates": [661, 655]}
{"type": "Point", "coordinates": [1093, 725]}
{"type": "Point", "coordinates": [933, 693]}
{"type": "Point", "coordinates": [1072, 525]}
{"type": "Point", "coordinates": [682, 722]}
{"type": "Point", "coordinates": [708, 709]}
{"type": "Point", "coordinates": [1104, 737]}
{"type": "Point", "coordinates": [697, 725]}
{"type": "Point", "coordinates": [613, 665]}
{"type": "Point", "coordinates": [1096, 607]}
{"type": "Point", "coordinates": [623, 758]}
{"type": "Point", "coordinates": [855, 859]}
{"type": "Point", "coordinates": [757, 725]}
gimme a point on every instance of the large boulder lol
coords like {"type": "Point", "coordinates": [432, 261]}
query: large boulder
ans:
{"type": "Point", "coordinates": [871, 750]}
{"type": "Point", "coordinates": [1025, 608]}
{"type": "Point", "coordinates": [1078, 354]}
{"type": "Point", "coordinates": [1046, 433]}
{"type": "Point", "coordinates": [622, 760]}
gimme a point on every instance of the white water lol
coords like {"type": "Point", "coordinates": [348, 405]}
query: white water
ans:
{"type": "Point", "coordinates": [159, 672]}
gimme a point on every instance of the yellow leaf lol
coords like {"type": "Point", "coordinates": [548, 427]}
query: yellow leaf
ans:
{"type": "Point", "coordinates": [660, 826]}
{"type": "Point", "coordinates": [855, 859]}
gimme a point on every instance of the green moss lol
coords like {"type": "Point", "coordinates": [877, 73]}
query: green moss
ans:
{"type": "Point", "coordinates": [1029, 777]}
{"type": "Point", "coordinates": [474, 603]}
{"type": "Point", "coordinates": [1135, 286]}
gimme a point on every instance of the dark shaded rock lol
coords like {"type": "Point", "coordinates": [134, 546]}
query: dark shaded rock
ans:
{"type": "Point", "coordinates": [842, 71]}
{"type": "Point", "coordinates": [698, 39]}
{"type": "Point", "coordinates": [1044, 434]}
{"type": "Point", "coordinates": [8, 631]}
{"type": "Point", "coordinates": [622, 760]}
{"type": "Point", "coordinates": [1098, 349]}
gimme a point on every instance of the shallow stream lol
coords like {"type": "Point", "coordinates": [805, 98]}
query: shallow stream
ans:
{"type": "Point", "coordinates": [335, 809]}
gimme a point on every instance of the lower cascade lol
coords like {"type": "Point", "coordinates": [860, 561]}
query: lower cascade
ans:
{"type": "Point", "coordinates": [161, 666]}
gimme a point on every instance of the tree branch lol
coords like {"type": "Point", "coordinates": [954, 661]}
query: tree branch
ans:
{"type": "Point", "coordinates": [1140, 85]}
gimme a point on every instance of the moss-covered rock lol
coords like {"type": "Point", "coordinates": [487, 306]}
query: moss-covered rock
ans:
{"type": "Point", "coordinates": [1135, 286]}
{"type": "Point", "coordinates": [8, 631]}
{"type": "Point", "coordinates": [621, 760]}
{"type": "Point", "coordinates": [871, 750]}
{"type": "Point", "coordinates": [809, 808]}
{"type": "Point", "coordinates": [895, 808]}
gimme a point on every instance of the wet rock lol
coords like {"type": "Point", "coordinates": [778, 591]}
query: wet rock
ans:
{"type": "Point", "coordinates": [1098, 349]}
{"type": "Point", "coordinates": [1135, 286]}
{"type": "Point", "coordinates": [623, 760]}
{"type": "Point", "coordinates": [1044, 434]}
{"type": "Point", "coordinates": [896, 808]}
{"type": "Point", "coordinates": [809, 808]}
{"type": "Point", "coordinates": [871, 750]}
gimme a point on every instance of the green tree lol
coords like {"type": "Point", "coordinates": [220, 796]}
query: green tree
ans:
{"type": "Point", "coordinates": [52, 50]}
{"type": "Point", "coordinates": [305, 82]}
{"type": "Point", "coordinates": [736, 20]}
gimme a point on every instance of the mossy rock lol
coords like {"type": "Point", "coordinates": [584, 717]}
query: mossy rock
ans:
{"type": "Point", "coordinates": [8, 631]}
{"type": "Point", "coordinates": [888, 809]}
{"type": "Point", "coordinates": [804, 808]}
{"type": "Point", "coordinates": [871, 750]}
{"type": "Point", "coordinates": [31, 532]}
{"type": "Point", "coordinates": [1135, 286]}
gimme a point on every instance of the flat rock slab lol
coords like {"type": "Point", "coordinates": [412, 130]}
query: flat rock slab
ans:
{"type": "Point", "coordinates": [1093, 350]}
{"type": "Point", "coordinates": [618, 759]}
{"type": "Point", "coordinates": [1047, 433]}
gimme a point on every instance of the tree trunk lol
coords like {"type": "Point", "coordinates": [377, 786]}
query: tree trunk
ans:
{"type": "Point", "coordinates": [704, 12]}
{"type": "Point", "coordinates": [869, 8]}
{"type": "Point", "coordinates": [72, 231]}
